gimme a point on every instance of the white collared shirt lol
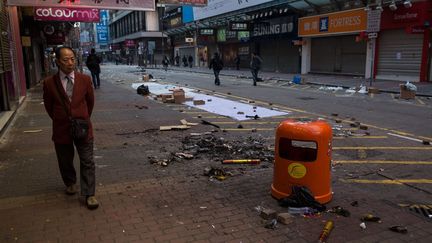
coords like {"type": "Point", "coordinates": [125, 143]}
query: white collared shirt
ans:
{"type": "Point", "coordinates": [64, 80]}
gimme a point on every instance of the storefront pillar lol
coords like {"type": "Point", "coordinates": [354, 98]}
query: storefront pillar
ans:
{"type": "Point", "coordinates": [306, 55]}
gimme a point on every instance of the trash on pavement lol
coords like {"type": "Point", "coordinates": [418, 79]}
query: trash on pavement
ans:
{"type": "Point", "coordinates": [175, 127]}
{"type": "Point", "coordinates": [184, 155]}
{"type": "Point", "coordinates": [241, 161]}
{"type": "Point", "coordinates": [301, 197]}
{"type": "Point", "coordinates": [217, 173]}
{"type": "Point", "coordinates": [399, 229]}
{"type": "Point", "coordinates": [363, 225]}
{"type": "Point", "coordinates": [300, 210]}
{"type": "Point", "coordinates": [411, 87]}
{"type": "Point", "coordinates": [326, 231]}
{"type": "Point", "coordinates": [407, 91]}
{"type": "Point", "coordinates": [143, 90]}
{"type": "Point", "coordinates": [199, 102]}
{"type": "Point", "coordinates": [284, 218]}
{"type": "Point", "coordinates": [184, 122]}
{"type": "Point", "coordinates": [141, 107]}
{"type": "Point", "coordinates": [362, 90]}
{"type": "Point", "coordinates": [161, 162]}
{"type": "Point", "coordinates": [33, 131]}
{"type": "Point", "coordinates": [267, 213]}
{"type": "Point", "coordinates": [255, 117]}
{"type": "Point", "coordinates": [218, 149]}
{"type": "Point", "coordinates": [179, 96]}
{"type": "Point", "coordinates": [371, 218]}
{"type": "Point", "coordinates": [331, 88]}
{"type": "Point", "coordinates": [271, 224]}
{"type": "Point", "coordinates": [340, 211]}
{"type": "Point", "coordinates": [355, 204]}
{"type": "Point", "coordinates": [209, 123]}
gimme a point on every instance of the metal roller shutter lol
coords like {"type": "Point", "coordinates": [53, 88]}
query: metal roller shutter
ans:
{"type": "Point", "coordinates": [280, 55]}
{"type": "Point", "coordinates": [399, 55]}
{"type": "Point", "coordinates": [338, 54]}
{"type": "Point", "coordinates": [5, 56]}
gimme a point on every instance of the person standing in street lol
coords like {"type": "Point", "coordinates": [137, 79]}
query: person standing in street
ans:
{"type": "Point", "coordinates": [68, 96]}
{"type": "Point", "coordinates": [190, 60]}
{"type": "Point", "coordinates": [237, 61]}
{"type": "Point", "coordinates": [184, 60]}
{"type": "Point", "coordinates": [217, 65]}
{"type": "Point", "coordinates": [177, 60]}
{"type": "Point", "coordinates": [255, 65]}
{"type": "Point", "coordinates": [165, 63]}
{"type": "Point", "coordinates": [93, 64]}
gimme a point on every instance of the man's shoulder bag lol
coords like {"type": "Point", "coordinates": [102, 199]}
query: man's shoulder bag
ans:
{"type": "Point", "coordinates": [79, 127]}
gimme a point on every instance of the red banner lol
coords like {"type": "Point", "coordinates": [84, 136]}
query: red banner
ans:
{"type": "Point", "coordinates": [66, 14]}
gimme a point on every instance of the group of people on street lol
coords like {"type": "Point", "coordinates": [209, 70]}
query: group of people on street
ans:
{"type": "Point", "coordinates": [216, 64]}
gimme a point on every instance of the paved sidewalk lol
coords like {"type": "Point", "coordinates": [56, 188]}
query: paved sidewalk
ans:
{"type": "Point", "coordinates": [144, 202]}
{"type": "Point", "coordinates": [423, 88]}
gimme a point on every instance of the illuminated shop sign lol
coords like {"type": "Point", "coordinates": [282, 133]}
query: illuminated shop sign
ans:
{"type": "Point", "coordinates": [206, 31]}
{"type": "Point", "coordinates": [239, 26]}
{"type": "Point", "coordinates": [66, 14]}
{"type": "Point", "coordinates": [144, 5]}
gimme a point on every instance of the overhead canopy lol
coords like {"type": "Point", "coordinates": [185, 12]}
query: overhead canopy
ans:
{"type": "Point", "coordinates": [143, 5]}
{"type": "Point", "coordinates": [299, 7]}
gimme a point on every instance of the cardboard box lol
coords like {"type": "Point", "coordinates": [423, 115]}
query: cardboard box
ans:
{"type": "Point", "coordinates": [198, 102]}
{"type": "Point", "coordinates": [405, 93]}
{"type": "Point", "coordinates": [146, 77]}
{"type": "Point", "coordinates": [373, 90]}
{"type": "Point", "coordinates": [166, 97]}
{"type": "Point", "coordinates": [179, 96]}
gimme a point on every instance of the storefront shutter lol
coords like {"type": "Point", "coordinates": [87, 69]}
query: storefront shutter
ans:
{"type": "Point", "coordinates": [338, 54]}
{"type": "Point", "coordinates": [5, 58]}
{"type": "Point", "coordinates": [399, 56]}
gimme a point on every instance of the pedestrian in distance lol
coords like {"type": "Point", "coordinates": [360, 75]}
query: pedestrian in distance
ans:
{"type": "Point", "coordinates": [237, 62]}
{"type": "Point", "coordinates": [69, 98]}
{"type": "Point", "coordinates": [177, 60]}
{"type": "Point", "coordinates": [190, 60]}
{"type": "Point", "coordinates": [165, 63]}
{"type": "Point", "coordinates": [217, 65]}
{"type": "Point", "coordinates": [93, 64]}
{"type": "Point", "coordinates": [184, 60]}
{"type": "Point", "coordinates": [255, 66]}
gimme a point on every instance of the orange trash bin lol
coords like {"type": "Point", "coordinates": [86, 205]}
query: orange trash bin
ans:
{"type": "Point", "coordinates": [303, 158]}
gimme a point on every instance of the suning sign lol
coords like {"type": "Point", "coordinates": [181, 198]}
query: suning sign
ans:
{"type": "Point", "coordinates": [66, 14]}
{"type": "Point", "coordinates": [143, 5]}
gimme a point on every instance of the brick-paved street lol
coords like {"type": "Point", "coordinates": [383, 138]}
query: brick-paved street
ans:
{"type": "Point", "coordinates": [143, 202]}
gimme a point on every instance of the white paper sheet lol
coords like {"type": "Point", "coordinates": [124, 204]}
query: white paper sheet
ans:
{"type": "Point", "coordinates": [217, 105]}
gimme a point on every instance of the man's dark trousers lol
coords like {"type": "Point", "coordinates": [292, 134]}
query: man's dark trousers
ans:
{"type": "Point", "coordinates": [65, 156]}
{"type": "Point", "coordinates": [216, 74]}
{"type": "Point", "coordinates": [96, 79]}
{"type": "Point", "coordinates": [254, 75]}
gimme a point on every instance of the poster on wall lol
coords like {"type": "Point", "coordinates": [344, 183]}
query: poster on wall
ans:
{"type": "Point", "coordinates": [216, 7]}
{"type": "Point", "coordinates": [143, 5]}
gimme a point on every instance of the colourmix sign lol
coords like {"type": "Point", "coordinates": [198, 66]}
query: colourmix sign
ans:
{"type": "Point", "coordinates": [66, 14]}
